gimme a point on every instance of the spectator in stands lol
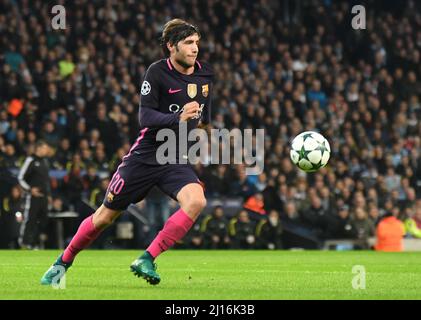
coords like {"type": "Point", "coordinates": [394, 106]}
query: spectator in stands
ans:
{"type": "Point", "coordinates": [73, 184]}
{"type": "Point", "coordinates": [241, 186]}
{"type": "Point", "coordinates": [49, 134]}
{"type": "Point", "coordinates": [90, 179]}
{"type": "Point", "coordinates": [315, 94]}
{"type": "Point", "coordinates": [100, 160]}
{"type": "Point", "coordinates": [373, 214]}
{"type": "Point", "coordinates": [317, 218]}
{"type": "Point", "coordinates": [10, 159]}
{"type": "Point", "coordinates": [58, 205]}
{"type": "Point", "coordinates": [215, 229]}
{"type": "Point", "coordinates": [98, 194]}
{"type": "Point", "coordinates": [326, 198]}
{"type": "Point", "coordinates": [107, 128]}
{"type": "Point", "coordinates": [291, 213]}
{"type": "Point", "coordinates": [269, 232]}
{"type": "Point", "coordinates": [242, 231]}
{"type": "Point", "coordinates": [218, 181]}
{"type": "Point", "coordinates": [363, 226]}
{"type": "Point", "coordinates": [412, 222]}
{"type": "Point", "coordinates": [193, 239]}
{"type": "Point", "coordinates": [62, 154]}
{"type": "Point", "coordinates": [11, 216]}
{"type": "Point", "coordinates": [158, 210]}
{"type": "Point", "coordinates": [75, 161]}
{"type": "Point", "coordinates": [343, 226]}
{"type": "Point", "coordinates": [4, 122]}
{"type": "Point", "coordinates": [417, 216]}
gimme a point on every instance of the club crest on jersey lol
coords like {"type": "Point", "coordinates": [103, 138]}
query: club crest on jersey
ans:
{"type": "Point", "coordinates": [205, 90]}
{"type": "Point", "coordinates": [192, 90]}
{"type": "Point", "coordinates": [110, 197]}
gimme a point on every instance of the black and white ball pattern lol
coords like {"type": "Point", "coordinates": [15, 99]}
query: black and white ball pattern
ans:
{"type": "Point", "coordinates": [310, 151]}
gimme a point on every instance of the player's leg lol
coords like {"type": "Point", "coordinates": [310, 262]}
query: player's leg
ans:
{"type": "Point", "coordinates": [182, 184]}
{"type": "Point", "coordinates": [29, 225]}
{"type": "Point", "coordinates": [88, 231]}
{"type": "Point", "coordinates": [42, 222]}
{"type": "Point", "coordinates": [121, 190]}
{"type": "Point", "coordinates": [192, 201]}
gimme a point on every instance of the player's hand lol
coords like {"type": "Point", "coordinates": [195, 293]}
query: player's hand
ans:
{"type": "Point", "coordinates": [215, 238]}
{"type": "Point", "coordinates": [207, 127]}
{"type": "Point", "coordinates": [190, 110]}
{"type": "Point", "coordinates": [36, 192]}
{"type": "Point", "coordinates": [250, 239]}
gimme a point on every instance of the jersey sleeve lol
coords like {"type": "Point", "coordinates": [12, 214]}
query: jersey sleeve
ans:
{"type": "Point", "coordinates": [149, 114]}
{"type": "Point", "coordinates": [24, 173]}
{"type": "Point", "coordinates": [149, 91]}
{"type": "Point", "coordinates": [155, 119]}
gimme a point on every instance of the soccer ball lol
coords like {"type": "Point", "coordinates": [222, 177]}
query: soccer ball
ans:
{"type": "Point", "coordinates": [310, 151]}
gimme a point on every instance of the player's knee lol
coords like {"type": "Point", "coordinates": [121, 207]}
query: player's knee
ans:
{"type": "Point", "coordinates": [196, 205]}
{"type": "Point", "coordinates": [104, 217]}
{"type": "Point", "coordinates": [105, 220]}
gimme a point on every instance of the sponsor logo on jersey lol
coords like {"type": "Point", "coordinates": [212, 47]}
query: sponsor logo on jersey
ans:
{"type": "Point", "coordinates": [174, 108]}
{"type": "Point", "coordinates": [171, 91]}
{"type": "Point", "coordinates": [205, 90]}
{"type": "Point", "coordinates": [191, 90]}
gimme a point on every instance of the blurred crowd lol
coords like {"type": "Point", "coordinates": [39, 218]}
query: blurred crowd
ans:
{"type": "Point", "coordinates": [284, 66]}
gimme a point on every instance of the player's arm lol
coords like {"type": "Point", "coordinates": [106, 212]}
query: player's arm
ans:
{"type": "Point", "coordinates": [24, 173]}
{"type": "Point", "coordinates": [206, 127]}
{"type": "Point", "coordinates": [149, 117]}
{"type": "Point", "coordinates": [23, 176]}
{"type": "Point", "coordinates": [149, 114]}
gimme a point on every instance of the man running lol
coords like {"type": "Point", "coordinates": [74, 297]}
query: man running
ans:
{"type": "Point", "coordinates": [175, 91]}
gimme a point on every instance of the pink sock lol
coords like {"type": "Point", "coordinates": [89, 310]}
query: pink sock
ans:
{"type": "Point", "coordinates": [83, 238]}
{"type": "Point", "coordinates": [174, 229]}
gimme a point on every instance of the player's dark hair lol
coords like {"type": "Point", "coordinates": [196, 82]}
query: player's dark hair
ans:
{"type": "Point", "coordinates": [175, 31]}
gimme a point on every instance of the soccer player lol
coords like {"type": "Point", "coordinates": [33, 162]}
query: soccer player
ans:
{"type": "Point", "coordinates": [175, 90]}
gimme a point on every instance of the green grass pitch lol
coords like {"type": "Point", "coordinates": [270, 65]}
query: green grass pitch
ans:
{"type": "Point", "coordinates": [214, 275]}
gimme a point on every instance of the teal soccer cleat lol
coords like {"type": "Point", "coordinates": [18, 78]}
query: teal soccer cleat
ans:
{"type": "Point", "coordinates": [145, 268]}
{"type": "Point", "coordinates": [55, 272]}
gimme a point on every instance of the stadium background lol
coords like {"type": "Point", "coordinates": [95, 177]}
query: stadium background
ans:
{"type": "Point", "coordinates": [285, 66]}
